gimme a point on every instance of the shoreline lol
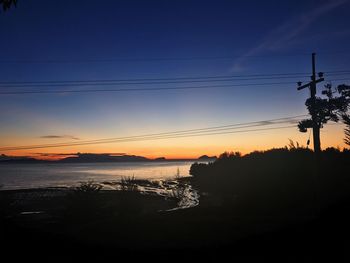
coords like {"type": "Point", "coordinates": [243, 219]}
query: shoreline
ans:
{"type": "Point", "coordinates": [191, 233]}
{"type": "Point", "coordinates": [43, 175]}
{"type": "Point", "coordinates": [149, 190]}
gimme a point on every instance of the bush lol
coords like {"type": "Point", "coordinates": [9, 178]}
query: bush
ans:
{"type": "Point", "coordinates": [276, 179]}
{"type": "Point", "coordinates": [128, 184]}
{"type": "Point", "coordinates": [88, 187]}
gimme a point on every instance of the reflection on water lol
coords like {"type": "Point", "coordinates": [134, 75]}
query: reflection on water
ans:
{"type": "Point", "coordinates": [176, 189]}
{"type": "Point", "coordinates": [189, 197]}
{"type": "Point", "coordinates": [152, 177]}
{"type": "Point", "coordinates": [20, 176]}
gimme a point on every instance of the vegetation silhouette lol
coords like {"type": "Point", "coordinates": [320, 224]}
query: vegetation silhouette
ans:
{"type": "Point", "coordinates": [330, 108]}
{"type": "Point", "coordinates": [346, 119]}
{"type": "Point", "coordinates": [128, 183]}
{"type": "Point", "coordinates": [7, 4]}
{"type": "Point", "coordinates": [277, 182]}
{"type": "Point", "coordinates": [279, 204]}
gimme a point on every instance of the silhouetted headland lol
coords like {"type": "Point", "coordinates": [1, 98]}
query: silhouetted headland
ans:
{"type": "Point", "coordinates": [96, 158]}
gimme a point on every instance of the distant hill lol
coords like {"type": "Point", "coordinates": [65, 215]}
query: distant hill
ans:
{"type": "Point", "coordinates": [96, 158]}
{"type": "Point", "coordinates": [17, 159]}
{"type": "Point", "coordinates": [91, 158]}
{"type": "Point", "coordinates": [160, 159]}
{"type": "Point", "coordinates": [207, 158]}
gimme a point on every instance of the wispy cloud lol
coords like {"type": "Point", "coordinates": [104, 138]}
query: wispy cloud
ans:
{"type": "Point", "coordinates": [75, 154]}
{"type": "Point", "coordinates": [55, 154]}
{"type": "Point", "coordinates": [284, 34]}
{"type": "Point", "coordinates": [59, 137]}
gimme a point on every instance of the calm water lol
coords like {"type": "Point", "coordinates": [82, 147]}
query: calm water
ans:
{"type": "Point", "coordinates": [19, 176]}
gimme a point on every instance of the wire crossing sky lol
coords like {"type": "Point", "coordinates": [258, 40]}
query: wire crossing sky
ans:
{"type": "Point", "coordinates": [88, 71]}
{"type": "Point", "coordinates": [179, 134]}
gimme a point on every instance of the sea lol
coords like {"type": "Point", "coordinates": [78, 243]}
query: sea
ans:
{"type": "Point", "coordinates": [28, 176]}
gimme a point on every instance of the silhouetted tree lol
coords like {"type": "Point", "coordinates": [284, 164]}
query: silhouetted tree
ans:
{"type": "Point", "coordinates": [345, 92]}
{"type": "Point", "coordinates": [346, 119]}
{"type": "Point", "coordinates": [330, 108]}
{"type": "Point", "coordinates": [228, 155]}
{"type": "Point", "coordinates": [6, 4]}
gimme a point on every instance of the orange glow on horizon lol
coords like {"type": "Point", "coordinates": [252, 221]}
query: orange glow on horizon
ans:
{"type": "Point", "coordinates": [190, 148]}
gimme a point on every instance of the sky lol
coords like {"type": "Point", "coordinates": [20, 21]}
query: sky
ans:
{"type": "Point", "coordinates": [94, 40]}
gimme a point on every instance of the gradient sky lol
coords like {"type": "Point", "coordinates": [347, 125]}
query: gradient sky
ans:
{"type": "Point", "coordinates": [260, 37]}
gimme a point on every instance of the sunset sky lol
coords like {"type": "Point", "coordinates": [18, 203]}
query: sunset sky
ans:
{"type": "Point", "coordinates": [113, 40]}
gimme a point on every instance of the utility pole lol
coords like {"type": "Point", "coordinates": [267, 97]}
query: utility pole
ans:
{"type": "Point", "coordinates": [315, 123]}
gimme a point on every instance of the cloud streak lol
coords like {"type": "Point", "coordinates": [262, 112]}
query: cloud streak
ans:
{"type": "Point", "coordinates": [59, 137]}
{"type": "Point", "coordinates": [76, 154]}
{"type": "Point", "coordinates": [287, 32]}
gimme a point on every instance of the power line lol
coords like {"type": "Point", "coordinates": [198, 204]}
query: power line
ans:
{"type": "Point", "coordinates": [181, 132]}
{"type": "Point", "coordinates": [159, 80]}
{"type": "Point", "coordinates": [214, 78]}
{"type": "Point", "coordinates": [176, 134]}
{"type": "Point", "coordinates": [338, 79]}
{"type": "Point", "coordinates": [23, 92]}
{"type": "Point", "coordinates": [113, 60]}
{"type": "Point", "coordinates": [157, 138]}
{"type": "Point", "coordinates": [185, 132]}
{"type": "Point", "coordinates": [140, 138]}
{"type": "Point", "coordinates": [116, 83]}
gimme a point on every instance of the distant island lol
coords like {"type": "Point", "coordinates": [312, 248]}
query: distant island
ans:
{"type": "Point", "coordinates": [96, 158]}
{"type": "Point", "coordinates": [207, 158]}
{"type": "Point", "coordinates": [91, 157]}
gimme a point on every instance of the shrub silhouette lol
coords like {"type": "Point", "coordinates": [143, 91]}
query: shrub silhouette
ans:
{"type": "Point", "coordinates": [275, 181]}
{"type": "Point", "coordinates": [6, 4]}
{"type": "Point", "coordinates": [88, 187]}
{"type": "Point", "coordinates": [128, 184]}
{"type": "Point", "coordinates": [346, 119]}
{"type": "Point", "coordinates": [83, 203]}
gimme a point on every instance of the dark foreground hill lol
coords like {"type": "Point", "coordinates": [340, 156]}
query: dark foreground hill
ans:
{"type": "Point", "coordinates": [278, 206]}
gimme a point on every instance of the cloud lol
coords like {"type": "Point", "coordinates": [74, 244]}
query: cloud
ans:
{"type": "Point", "coordinates": [284, 34]}
{"type": "Point", "coordinates": [75, 154]}
{"type": "Point", "coordinates": [59, 137]}
{"type": "Point", "coordinates": [55, 154]}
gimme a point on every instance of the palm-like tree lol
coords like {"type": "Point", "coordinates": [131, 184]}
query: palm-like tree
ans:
{"type": "Point", "coordinates": [346, 119]}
